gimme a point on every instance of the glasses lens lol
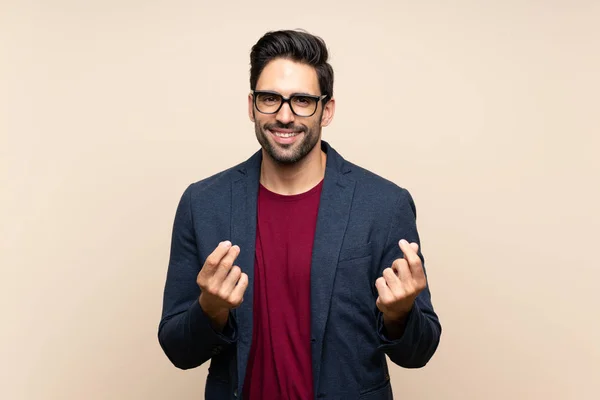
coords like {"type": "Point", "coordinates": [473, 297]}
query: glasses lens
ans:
{"type": "Point", "coordinates": [304, 105]}
{"type": "Point", "coordinates": [267, 102]}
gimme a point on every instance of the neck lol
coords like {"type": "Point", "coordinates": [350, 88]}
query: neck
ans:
{"type": "Point", "coordinates": [294, 179]}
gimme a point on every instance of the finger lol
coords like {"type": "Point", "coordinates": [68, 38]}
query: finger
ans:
{"type": "Point", "coordinates": [411, 256]}
{"type": "Point", "coordinates": [419, 273]}
{"type": "Point", "coordinates": [231, 280]}
{"type": "Point", "coordinates": [402, 270]}
{"type": "Point", "coordinates": [382, 289]}
{"type": "Point", "coordinates": [237, 295]}
{"type": "Point", "coordinates": [226, 264]}
{"type": "Point", "coordinates": [392, 280]}
{"type": "Point", "coordinates": [385, 294]}
{"type": "Point", "coordinates": [212, 261]}
{"type": "Point", "coordinates": [415, 247]}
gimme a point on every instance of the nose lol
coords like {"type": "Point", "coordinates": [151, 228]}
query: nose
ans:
{"type": "Point", "coordinates": [285, 114]}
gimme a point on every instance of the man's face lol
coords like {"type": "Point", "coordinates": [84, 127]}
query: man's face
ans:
{"type": "Point", "coordinates": [286, 137]}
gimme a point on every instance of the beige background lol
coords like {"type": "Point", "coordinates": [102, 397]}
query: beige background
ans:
{"type": "Point", "coordinates": [487, 111]}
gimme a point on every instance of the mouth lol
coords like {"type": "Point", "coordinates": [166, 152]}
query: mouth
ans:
{"type": "Point", "coordinates": [284, 136]}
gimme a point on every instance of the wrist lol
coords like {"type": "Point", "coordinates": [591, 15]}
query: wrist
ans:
{"type": "Point", "coordinates": [218, 317]}
{"type": "Point", "coordinates": [394, 325]}
{"type": "Point", "coordinates": [211, 311]}
{"type": "Point", "coordinates": [395, 318]}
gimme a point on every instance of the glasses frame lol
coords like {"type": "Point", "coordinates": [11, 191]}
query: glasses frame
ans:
{"type": "Point", "coordinates": [286, 100]}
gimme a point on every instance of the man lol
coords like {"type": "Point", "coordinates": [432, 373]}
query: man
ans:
{"type": "Point", "coordinates": [296, 271]}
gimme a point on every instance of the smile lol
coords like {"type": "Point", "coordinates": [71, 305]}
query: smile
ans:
{"type": "Point", "coordinates": [285, 134]}
{"type": "Point", "coordinates": [285, 138]}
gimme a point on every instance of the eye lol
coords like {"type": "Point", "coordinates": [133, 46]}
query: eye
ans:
{"type": "Point", "coordinates": [268, 99]}
{"type": "Point", "coordinates": [303, 101]}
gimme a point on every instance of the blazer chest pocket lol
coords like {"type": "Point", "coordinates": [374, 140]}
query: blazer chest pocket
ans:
{"type": "Point", "coordinates": [352, 290]}
{"type": "Point", "coordinates": [353, 254]}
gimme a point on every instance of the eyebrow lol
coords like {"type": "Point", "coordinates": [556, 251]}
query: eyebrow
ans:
{"type": "Point", "coordinates": [292, 94]}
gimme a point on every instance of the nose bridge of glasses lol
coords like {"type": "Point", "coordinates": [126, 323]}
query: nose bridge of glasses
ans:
{"type": "Point", "coordinates": [286, 110]}
{"type": "Point", "coordinates": [287, 101]}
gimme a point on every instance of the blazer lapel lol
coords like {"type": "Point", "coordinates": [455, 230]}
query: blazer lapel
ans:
{"type": "Point", "coordinates": [244, 192]}
{"type": "Point", "coordinates": [334, 211]}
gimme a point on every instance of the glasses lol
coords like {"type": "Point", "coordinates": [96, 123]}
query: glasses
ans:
{"type": "Point", "coordinates": [303, 105]}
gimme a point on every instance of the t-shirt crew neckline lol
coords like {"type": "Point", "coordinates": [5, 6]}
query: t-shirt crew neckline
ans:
{"type": "Point", "coordinates": [291, 197]}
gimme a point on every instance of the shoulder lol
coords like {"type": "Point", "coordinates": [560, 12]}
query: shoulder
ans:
{"type": "Point", "coordinates": [379, 189]}
{"type": "Point", "coordinates": [217, 181]}
{"type": "Point", "coordinates": [366, 180]}
{"type": "Point", "coordinates": [372, 191]}
{"type": "Point", "coordinates": [213, 190]}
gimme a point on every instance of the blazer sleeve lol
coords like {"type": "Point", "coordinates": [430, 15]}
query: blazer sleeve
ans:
{"type": "Point", "coordinates": [423, 329]}
{"type": "Point", "coordinates": [185, 332]}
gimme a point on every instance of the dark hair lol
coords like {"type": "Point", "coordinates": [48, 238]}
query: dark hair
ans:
{"type": "Point", "coordinates": [296, 45]}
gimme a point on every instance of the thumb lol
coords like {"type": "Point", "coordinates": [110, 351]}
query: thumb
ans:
{"type": "Point", "coordinates": [415, 247]}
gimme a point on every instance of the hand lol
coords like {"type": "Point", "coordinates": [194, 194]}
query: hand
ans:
{"type": "Point", "coordinates": [222, 284]}
{"type": "Point", "coordinates": [401, 284]}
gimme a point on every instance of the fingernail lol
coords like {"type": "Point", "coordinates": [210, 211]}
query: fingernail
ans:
{"type": "Point", "coordinates": [404, 242]}
{"type": "Point", "coordinates": [227, 243]}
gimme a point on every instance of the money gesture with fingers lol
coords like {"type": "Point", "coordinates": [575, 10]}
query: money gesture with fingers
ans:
{"type": "Point", "coordinates": [401, 283]}
{"type": "Point", "coordinates": [222, 283]}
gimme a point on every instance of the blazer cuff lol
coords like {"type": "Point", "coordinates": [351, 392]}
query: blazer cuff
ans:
{"type": "Point", "coordinates": [412, 322]}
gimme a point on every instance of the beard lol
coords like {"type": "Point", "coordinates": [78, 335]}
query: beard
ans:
{"type": "Point", "coordinates": [288, 154]}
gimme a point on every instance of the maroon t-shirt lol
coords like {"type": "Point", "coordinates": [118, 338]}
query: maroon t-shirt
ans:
{"type": "Point", "coordinates": [280, 364]}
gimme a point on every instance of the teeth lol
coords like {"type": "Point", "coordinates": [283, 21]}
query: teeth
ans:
{"type": "Point", "coordinates": [285, 135]}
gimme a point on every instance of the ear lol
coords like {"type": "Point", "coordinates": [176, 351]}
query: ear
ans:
{"type": "Point", "coordinates": [250, 107]}
{"type": "Point", "coordinates": [328, 112]}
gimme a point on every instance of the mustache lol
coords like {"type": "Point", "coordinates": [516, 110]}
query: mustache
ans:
{"type": "Point", "coordinates": [292, 127]}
